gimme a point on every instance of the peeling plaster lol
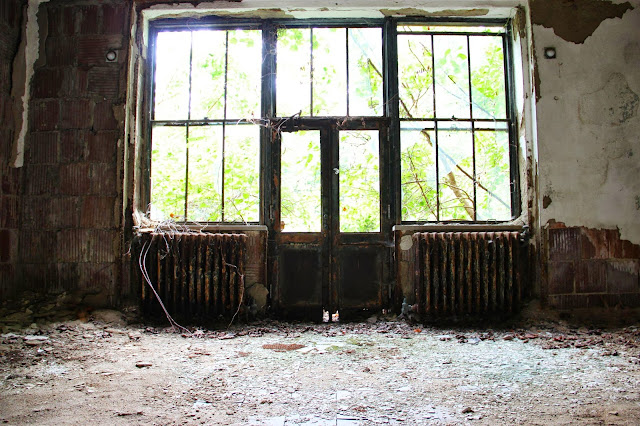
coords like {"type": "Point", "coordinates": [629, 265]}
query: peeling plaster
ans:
{"type": "Point", "coordinates": [614, 104]}
{"type": "Point", "coordinates": [446, 12]}
{"type": "Point", "coordinates": [26, 58]}
{"type": "Point", "coordinates": [572, 20]}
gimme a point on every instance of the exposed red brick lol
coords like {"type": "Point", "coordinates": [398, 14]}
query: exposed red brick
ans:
{"type": "Point", "coordinates": [97, 277]}
{"type": "Point", "coordinates": [102, 146]}
{"type": "Point", "coordinates": [561, 277]}
{"type": "Point", "coordinates": [73, 145]}
{"type": "Point", "coordinates": [69, 20]}
{"type": "Point", "coordinates": [92, 50]}
{"type": "Point", "coordinates": [45, 115]}
{"type": "Point", "coordinates": [103, 118]}
{"type": "Point", "coordinates": [11, 181]}
{"type": "Point", "coordinates": [595, 243]}
{"type": "Point", "coordinates": [40, 277]}
{"type": "Point", "coordinates": [75, 82]}
{"type": "Point", "coordinates": [43, 148]}
{"type": "Point", "coordinates": [104, 81]}
{"type": "Point", "coordinates": [88, 17]}
{"type": "Point", "coordinates": [60, 51]}
{"type": "Point", "coordinates": [65, 212]}
{"type": "Point", "coordinates": [76, 114]}
{"type": "Point", "coordinates": [73, 245]}
{"type": "Point", "coordinates": [6, 242]}
{"type": "Point", "coordinates": [623, 276]}
{"type": "Point", "coordinates": [38, 246]}
{"type": "Point", "coordinates": [54, 21]}
{"type": "Point", "coordinates": [628, 250]}
{"type": "Point", "coordinates": [101, 246]}
{"type": "Point", "coordinates": [564, 244]}
{"type": "Point", "coordinates": [103, 179]}
{"type": "Point", "coordinates": [68, 276]}
{"type": "Point", "coordinates": [75, 179]}
{"type": "Point", "coordinates": [47, 83]}
{"type": "Point", "coordinates": [41, 179]}
{"type": "Point", "coordinates": [592, 276]}
{"type": "Point", "coordinates": [97, 212]}
{"type": "Point", "coordinates": [9, 211]}
{"type": "Point", "coordinates": [114, 19]}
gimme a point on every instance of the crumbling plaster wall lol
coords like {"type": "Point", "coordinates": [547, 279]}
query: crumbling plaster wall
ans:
{"type": "Point", "coordinates": [589, 124]}
{"type": "Point", "coordinates": [588, 133]}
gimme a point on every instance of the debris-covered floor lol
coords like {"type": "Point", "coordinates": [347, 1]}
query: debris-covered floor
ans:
{"type": "Point", "coordinates": [100, 370]}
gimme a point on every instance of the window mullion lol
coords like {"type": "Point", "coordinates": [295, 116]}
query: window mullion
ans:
{"type": "Point", "coordinates": [473, 133]}
{"type": "Point", "coordinates": [224, 122]}
{"type": "Point", "coordinates": [186, 178]}
{"type": "Point", "coordinates": [435, 125]}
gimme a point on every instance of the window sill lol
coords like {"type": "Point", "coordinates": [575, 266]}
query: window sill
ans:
{"type": "Point", "coordinates": [204, 228]}
{"type": "Point", "coordinates": [462, 227]}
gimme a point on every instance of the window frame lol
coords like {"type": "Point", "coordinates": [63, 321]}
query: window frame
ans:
{"type": "Point", "coordinates": [390, 116]}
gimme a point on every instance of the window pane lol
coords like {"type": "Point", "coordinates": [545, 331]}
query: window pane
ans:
{"type": "Point", "coordinates": [487, 77]}
{"type": "Point", "coordinates": [452, 76]}
{"type": "Point", "coordinates": [494, 190]}
{"type": "Point", "coordinates": [244, 75]}
{"type": "Point", "coordinates": [171, 100]}
{"type": "Point", "coordinates": [329, 71]}
{"type": "Point", "coordinates": [300, 182]}
{"type": "Point", "coordinates": [205, 174]}
{"type": "Point", "coordinates": [415, 76]}
{"type": "Point", "coordinates": [293, 75]}
{"type": "Point", "coordinates": [365, 71]}
{"type": "Point", "coordinates": [359, 181]}
{"type": "Point", "coordinates": [207, 96]}
{"type": "Point", "coordinates": [168, 166]}
{"type": "Point", "coordinates": [418, 160]}
{"type": "Point", "coordinates": [455, 169]}
{"type": "Point", "coordinates": [242, 173]}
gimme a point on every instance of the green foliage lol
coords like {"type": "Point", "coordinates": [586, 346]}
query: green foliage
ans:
{"type": "Point", "coordinates": [225, 170]}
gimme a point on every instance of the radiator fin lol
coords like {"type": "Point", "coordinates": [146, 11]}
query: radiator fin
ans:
{"type": "Point", "coordinates": [468, 272]}
{"type": "Point", "coordinates": [197, 276]}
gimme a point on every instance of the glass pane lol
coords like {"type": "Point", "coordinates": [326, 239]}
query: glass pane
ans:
{"type": "Point", "coordinates": [172, 75]}
{"type": "Point", "coordinates": [168, 172]}
{"type": "Point", "coordinates": [487, 77]}
{"type": "Point", "coordinates": [244, 75]}
{"type": "Point", "coordinates": [415, 76]}
{"type": "Point", "coordinates": [205, 174]}
{"type": "Point", "coordinates": [365, 71]}
{"type": "Point", "coordinates": [359, 181]}
{"type": "Point", "coordinates": [452, 76]}
{"type": "Point", "coordinates": [329, 71]}
{"type": "Point", "coordinates": [418, 162]}
{"type": "Point", "coordinates": [207, 96]}
{"type": "Point", "coordinates": [300, 182]}
{"type": "Point", "coordinates": [293, 72]}
{"type": "Point", "coordinates": [455, 169]}
{"type": "Point", "coordinates": [494, 190]}
{"type": "Point", "coordinates": [242, 173]}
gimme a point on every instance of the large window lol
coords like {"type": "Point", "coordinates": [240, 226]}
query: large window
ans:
{"type": "Point", "coordinates": [441, 90]}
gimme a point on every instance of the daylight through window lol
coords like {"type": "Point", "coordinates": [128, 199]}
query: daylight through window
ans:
{"type": "Point", "coordinates": [444, 88]}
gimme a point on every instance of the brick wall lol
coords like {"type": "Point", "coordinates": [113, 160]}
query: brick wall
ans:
{"type": "Point", "coordinates": [591, 268]}
{"type": "Point", "coordinates": [69, 233]}
{"type": "Point", "coordinates": [10, 25]}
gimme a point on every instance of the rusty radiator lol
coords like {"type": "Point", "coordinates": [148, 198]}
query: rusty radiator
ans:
{"type": "Point", "coordinates": [468, 272]}
{"type": "Point", "coordinates": [197, 276]}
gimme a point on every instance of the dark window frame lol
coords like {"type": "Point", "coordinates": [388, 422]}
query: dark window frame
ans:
{"type": "Point", "coordinates": [390, 117]}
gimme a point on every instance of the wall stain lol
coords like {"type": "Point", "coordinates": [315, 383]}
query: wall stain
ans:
{"type": "Point", "coordinates": [448, 12]}
{"type": "Point", "coordinates": [613, 104]}
{"type": "Point", "coordinates": [546, 201]}
{"type": "Point", "coordinates": [574, 20]}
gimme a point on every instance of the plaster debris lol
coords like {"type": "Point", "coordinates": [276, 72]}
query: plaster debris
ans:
{"type": "Point", "coordinates": [614, 104]}
{"type": "Point", "coordinates": [575, 22]}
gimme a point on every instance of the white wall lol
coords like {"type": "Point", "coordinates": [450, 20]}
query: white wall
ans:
{"type": "Point", "coordinates": [588, 126]}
